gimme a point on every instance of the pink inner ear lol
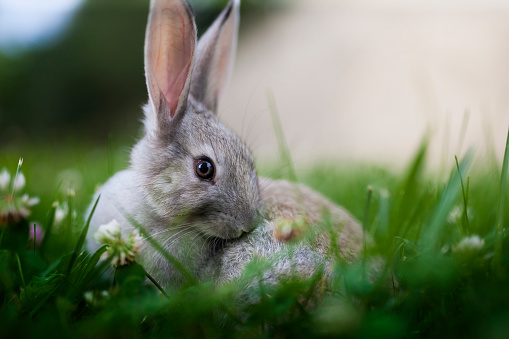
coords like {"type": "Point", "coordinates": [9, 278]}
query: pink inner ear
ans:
{"type": "Point", "coordinates": [171, 48]}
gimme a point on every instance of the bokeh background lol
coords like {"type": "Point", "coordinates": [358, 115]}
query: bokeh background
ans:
{"type": "Point", "coordinates": [74, 68]}
{"type": "Point", "coordinates": [356, 80]}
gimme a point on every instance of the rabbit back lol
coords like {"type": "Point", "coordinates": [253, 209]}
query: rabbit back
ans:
{"type": "Point", "coordinates": [282, 200]}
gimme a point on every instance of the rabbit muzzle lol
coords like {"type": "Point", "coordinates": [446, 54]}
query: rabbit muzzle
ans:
{"type": "Point", "coordinates": [231, 224]}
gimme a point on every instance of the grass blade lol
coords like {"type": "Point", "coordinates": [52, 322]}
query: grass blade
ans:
{"type": "Point", "coordinates": [50, 220]}
{"type": "Point", "coordinates": [383, 215]}
{"type": "Point", "coordinates": [18, 170]}
{"type": "Point", "coordinates": [20, 271]}
{"type": "Point", "coordinates": [466, 230]}
{"type": "Point", "coordinates": [501, 211]}
{"type": "Point", "coordinates": [171, 259]}
{"type": "Point", "coordinates": [365, 229]}
{"type": "Point", "coordinates": [156, 284]}
{"type": "Point", "coordinates": [83, 235]}
{"type": "Point", "coordinates": [463, 130]}
{"type": "Point", "coordinates": [85, 275]}
{"type": "Point", "coordinates": [443, 207]}
{"type": "Point", "coordinates": [405, 194]}
{"type": "Point", "coordinates": [284, 151]}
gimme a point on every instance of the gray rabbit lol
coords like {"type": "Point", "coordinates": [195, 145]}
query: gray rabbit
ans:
{"type": "Point", "coordinates": [192, 183]}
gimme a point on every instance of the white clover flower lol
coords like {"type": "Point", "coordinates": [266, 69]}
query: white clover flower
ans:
{"type": "Point", "coordinates": [5, 179]}
{"type": "Point", "coordinates": [123, 250]}
{"type": "Point", "coordinates": [13, 207]}
{"type": "Point", "coordinates": [454, 214]}
{"type": "Point", "coordinates": [96, 298]}
{"type": "Point", "coordinates": [108, 233]}
{"type": "Point", "coordinates": [469, 244]}
{"type": "Point", "coordinates": [61, 211]}
{"type": "Point", "coordinates": [89, 297]}
{"type": "Point", "coordinates": [29, 201]}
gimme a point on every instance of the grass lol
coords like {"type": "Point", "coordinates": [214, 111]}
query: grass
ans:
{"type": "Point", "coordinates": [443, 242]}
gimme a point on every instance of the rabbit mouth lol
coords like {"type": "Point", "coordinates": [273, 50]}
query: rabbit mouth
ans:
{"type": "Point", "coordinates": [222, 225]}
{"type": "Point", "coordinates": [216, 245]}
{"type": "Point", "coordinates": [225, 233]}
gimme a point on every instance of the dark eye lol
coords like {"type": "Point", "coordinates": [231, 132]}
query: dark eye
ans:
{"type": "Point", "coordinates": [205, 169]}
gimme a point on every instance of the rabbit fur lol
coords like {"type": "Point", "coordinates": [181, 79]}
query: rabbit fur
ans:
{"type": "Point", "coordinates": [214, 227]}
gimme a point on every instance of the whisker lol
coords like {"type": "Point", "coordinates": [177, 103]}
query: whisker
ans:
{"type": "Point", "coordinates": [189, 228]}
{"type": "Point", "coordinates": [172, 228]}
{"type": "Point", "coordinates": [186, 232]}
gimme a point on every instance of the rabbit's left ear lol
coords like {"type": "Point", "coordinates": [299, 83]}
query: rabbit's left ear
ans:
{"type": "Point", "coordinates": [215, 57]}
{"type": "Point", "coordinates": [169, 53]}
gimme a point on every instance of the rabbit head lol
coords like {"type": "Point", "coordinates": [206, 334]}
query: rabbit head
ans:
{"type": "Point", "coordinates": [192, 168]}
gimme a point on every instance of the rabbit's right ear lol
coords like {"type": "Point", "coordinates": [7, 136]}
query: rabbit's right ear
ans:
{"type": "Point", "coordinates": [169, 53]}
{"type": "Point", "coordinates": [215, 56]}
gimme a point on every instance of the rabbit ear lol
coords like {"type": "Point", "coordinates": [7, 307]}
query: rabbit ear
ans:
{"type": "Point", "coordinates": [169, 52]}
{"type": "Point", "coordinates": [215, 57]}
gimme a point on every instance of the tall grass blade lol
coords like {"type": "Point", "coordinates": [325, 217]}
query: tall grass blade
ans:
{"type": "Point", "coordinates": [50, 220]}
{"type": "Point", "coordinates": [383, 215]}
{"type": "Point", "coordinates": [156, 284]}
{"type": "Point", "coordinates": [464, 125]}
{"type": "Point", "coordinates": [171, 259]}
{"type": "Point", "coordinates": [405, 193]}
{"type": "Point", "coordinates": [95, 272]}
{"type": "Point", "coordinates": [466, 229]}
{"type": "Point", "coordinates": [444, 206]}
{"type": "Point", "coordinates": [501, 208]}
{"type": "Point", "coordinates": [20, 270]}
{"type": "Point", "coordinates": [366, 217]}
{"type": "Point", "coordinates": [20, 162]}
{"type": "Point", "coordinates": [92, 262]}
{"type": "Point", "coordinates": [284, 151]}
{"type": "Point", "coordinates": [365, 230]}
{"type": "Point", "coordinates": [49, 226]}
{"type": "Point", "coordinates": [83, 235]}
{"type": "Point", "coordinates": [445, 145]}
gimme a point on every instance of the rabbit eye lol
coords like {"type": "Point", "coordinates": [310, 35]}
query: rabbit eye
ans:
{"type": "Point", "coordinates": [205, 169]}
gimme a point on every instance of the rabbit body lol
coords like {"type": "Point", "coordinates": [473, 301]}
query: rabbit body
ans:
{"type": "Point", "coordinates": [192, 183]}
{"type": "Point", "coordinates": [282, 200]}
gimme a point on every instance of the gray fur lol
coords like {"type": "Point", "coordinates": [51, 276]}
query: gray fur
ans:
{"type": "Point", "coordinates": [281, 199]}
{"type": "Point", "coordinates": [213, 227]}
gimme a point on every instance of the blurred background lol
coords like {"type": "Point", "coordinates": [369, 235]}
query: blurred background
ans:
{"type": "Point", "coordinates": [74, 68]}
{"type": "Point", "coordinates": [359, 80]}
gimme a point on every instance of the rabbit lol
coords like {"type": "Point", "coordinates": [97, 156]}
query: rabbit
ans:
{"type": "Point", "coordinates": [192, 182]}
{"type": "Point", "coordinates": [287, 202]}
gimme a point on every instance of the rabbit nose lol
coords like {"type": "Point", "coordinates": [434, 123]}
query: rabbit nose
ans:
{"type": "Point", "coordinates": [250, 222]}
{"type": "Point", "coordinates": [248, 226]}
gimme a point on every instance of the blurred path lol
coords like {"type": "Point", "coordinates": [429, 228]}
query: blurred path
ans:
{"type": "Point", "coordinates": [365, 80]}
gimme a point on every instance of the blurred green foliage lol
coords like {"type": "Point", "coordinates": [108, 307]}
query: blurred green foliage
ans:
{"type": "Point", "coordinates": [89, 81]}
{"type": "Point", "coordinates": [440, 274]}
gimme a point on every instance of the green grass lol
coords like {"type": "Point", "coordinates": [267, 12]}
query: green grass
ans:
{"type": "Point", "coordinates": [433, 284]}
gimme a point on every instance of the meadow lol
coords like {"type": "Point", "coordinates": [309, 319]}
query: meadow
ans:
{"type": "Point", "coordinates": [440, 237]}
